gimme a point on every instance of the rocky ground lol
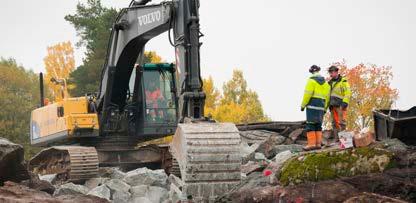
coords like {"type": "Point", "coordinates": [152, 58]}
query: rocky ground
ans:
{"type": "Point", "coordinates": [275, 169]}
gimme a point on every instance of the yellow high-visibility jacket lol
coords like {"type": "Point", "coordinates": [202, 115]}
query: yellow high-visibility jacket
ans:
{"type": "Point", "coordinates": [340, 91]}
{"type": "Point", "coordinates": [316, 94]}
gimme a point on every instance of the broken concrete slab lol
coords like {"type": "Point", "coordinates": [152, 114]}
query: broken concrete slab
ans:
{"type": "Point", "coordinates": [145, 176]}
{"type": "Point", "coordinates": [70, 189]}
{"type": "Point", "coordinates": [101, 191]}
{"type": "Point", "coordinates": [117, 185]}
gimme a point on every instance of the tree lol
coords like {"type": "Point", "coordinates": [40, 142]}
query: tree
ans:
{"type": "Point", "coordinates": [371, 89]}
{"type": "Point", "coordinates": [212, 96]}
{"type": "Point", "coordinates": [238, 104]}
{"type": "Point", "coordinates": [59, 63]}
{"type": "Point", "coordinates": [152, 57]}
{"type": "Point", "coordinates": [92, 22]}
{"type": "Point", "coordinates": [19, 95]}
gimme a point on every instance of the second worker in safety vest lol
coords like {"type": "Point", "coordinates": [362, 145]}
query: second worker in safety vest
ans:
{"type": "Point", "coordinates": [340, 98]}
{"type": "Point", "coordinates": [316, 101]}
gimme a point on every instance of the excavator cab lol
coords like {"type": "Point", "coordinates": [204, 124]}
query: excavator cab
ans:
{"type": "Point", "coordinates": [152, 90]}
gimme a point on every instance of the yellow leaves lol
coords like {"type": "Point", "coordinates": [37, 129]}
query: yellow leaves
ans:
{"type": "Point", "coordinates": [237, 104]}
{"type": "Point", "coordinates": [59, 63]}
{"type": "Point", "coordinates": [152, 57]}
{"type": "Point", "coordinates": [213, 97]}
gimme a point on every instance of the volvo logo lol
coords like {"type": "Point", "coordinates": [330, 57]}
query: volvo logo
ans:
{"type": "Point", "coordinates": [152, 17]}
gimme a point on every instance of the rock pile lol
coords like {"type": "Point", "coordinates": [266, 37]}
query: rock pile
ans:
{"type": "Point", "coordinates": [275, 169]}
{"type": "Point", "coordinates": [140, 185]}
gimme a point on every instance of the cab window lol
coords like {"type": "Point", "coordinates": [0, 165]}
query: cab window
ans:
{"type": "Point", "coordinates": [160, 103]}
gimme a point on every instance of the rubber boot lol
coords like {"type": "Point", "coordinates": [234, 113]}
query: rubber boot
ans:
{"type": "Point", "coordinates": [318, 139]}
{"type": "Point", "coordinates": [311, 141]}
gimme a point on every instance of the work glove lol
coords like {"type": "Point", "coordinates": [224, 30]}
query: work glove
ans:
{"type": "Point", "coordinates": [344, 105]}
{"type": "Point", "coordinates": [302, 108]}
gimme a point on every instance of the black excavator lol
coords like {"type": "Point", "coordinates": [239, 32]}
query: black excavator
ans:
{"type": "Point", "coordinates": [144, 114]}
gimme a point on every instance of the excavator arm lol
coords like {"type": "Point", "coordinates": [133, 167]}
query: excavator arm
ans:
{"type": "Point", "coordinates": [133, 28]}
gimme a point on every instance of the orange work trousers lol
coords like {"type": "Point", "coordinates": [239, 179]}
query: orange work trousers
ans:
{"type": "Point", "coordinates": [339, 116]}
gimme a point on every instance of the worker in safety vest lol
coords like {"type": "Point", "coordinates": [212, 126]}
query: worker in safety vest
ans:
{"type": "Point", "coordinates": [340, 98]}
{"type": "Point", "coordinates": [315, 100]}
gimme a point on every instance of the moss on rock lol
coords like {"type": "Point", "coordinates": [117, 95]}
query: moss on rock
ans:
{"type": "Point", "coordinates": [327, 165]}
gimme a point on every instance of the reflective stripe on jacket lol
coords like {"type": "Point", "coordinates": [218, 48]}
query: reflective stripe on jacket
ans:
{"type": "Point", "coordinates": [340, 91]}
{"type": "Point", "coordinates": [316, 94]}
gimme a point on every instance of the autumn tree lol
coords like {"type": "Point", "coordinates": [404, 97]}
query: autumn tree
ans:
{"type": "Point", "coordinates": [151, 57]}
{"type": "Point", "coordinates": [212, 96]}
{"type": "Point", "coordinates": [19, 95]}
{"type": "Point", "coordinates": [59, 63]}
{"type": "Point", "coordinates": [371, 89]}
{"type": "Point", "coordinates": [238, 104]}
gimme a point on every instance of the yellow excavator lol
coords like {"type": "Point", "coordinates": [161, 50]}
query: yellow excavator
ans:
{"type": "Point", "coordinates": [143, 114]}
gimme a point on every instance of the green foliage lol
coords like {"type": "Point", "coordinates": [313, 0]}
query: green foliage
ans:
{"type": "Point", "coordinates": [92, 22]}
{"type": "Point", "coordinates": [238, 104]}
{"type": "Point", "coordinates": [19, 95]}
{"type": "Point", "coordinates": [332, 164]}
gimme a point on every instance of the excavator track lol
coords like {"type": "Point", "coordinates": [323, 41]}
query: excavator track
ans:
{"type": "Point", "coordinates": [209, 160]}
{"type": "Point", "coordinates": [70, 163]}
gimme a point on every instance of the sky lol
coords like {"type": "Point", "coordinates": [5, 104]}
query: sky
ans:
{"type": "Point", "coordinates": [273, 42]}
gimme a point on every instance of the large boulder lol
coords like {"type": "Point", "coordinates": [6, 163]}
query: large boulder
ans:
{"type": "Point", "coordinates": [145, 176]}
{"type": "Point", "coordinates": [152, 193]}
{"type": "Point", "coordinates": [325, 165]}
{"type": "Point", "coordinates": [101, 191]}
{"type": "Point", "coordinates": [12, 166]}
{"type": "Point", "coordinates": [70, 189]}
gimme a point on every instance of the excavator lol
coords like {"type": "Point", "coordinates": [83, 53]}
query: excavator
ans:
{"type": "Point", "coordinates": [144, 114]}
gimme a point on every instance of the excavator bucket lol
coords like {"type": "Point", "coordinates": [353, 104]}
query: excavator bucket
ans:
{"type": "Point", "coordinates": [209, 160]}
